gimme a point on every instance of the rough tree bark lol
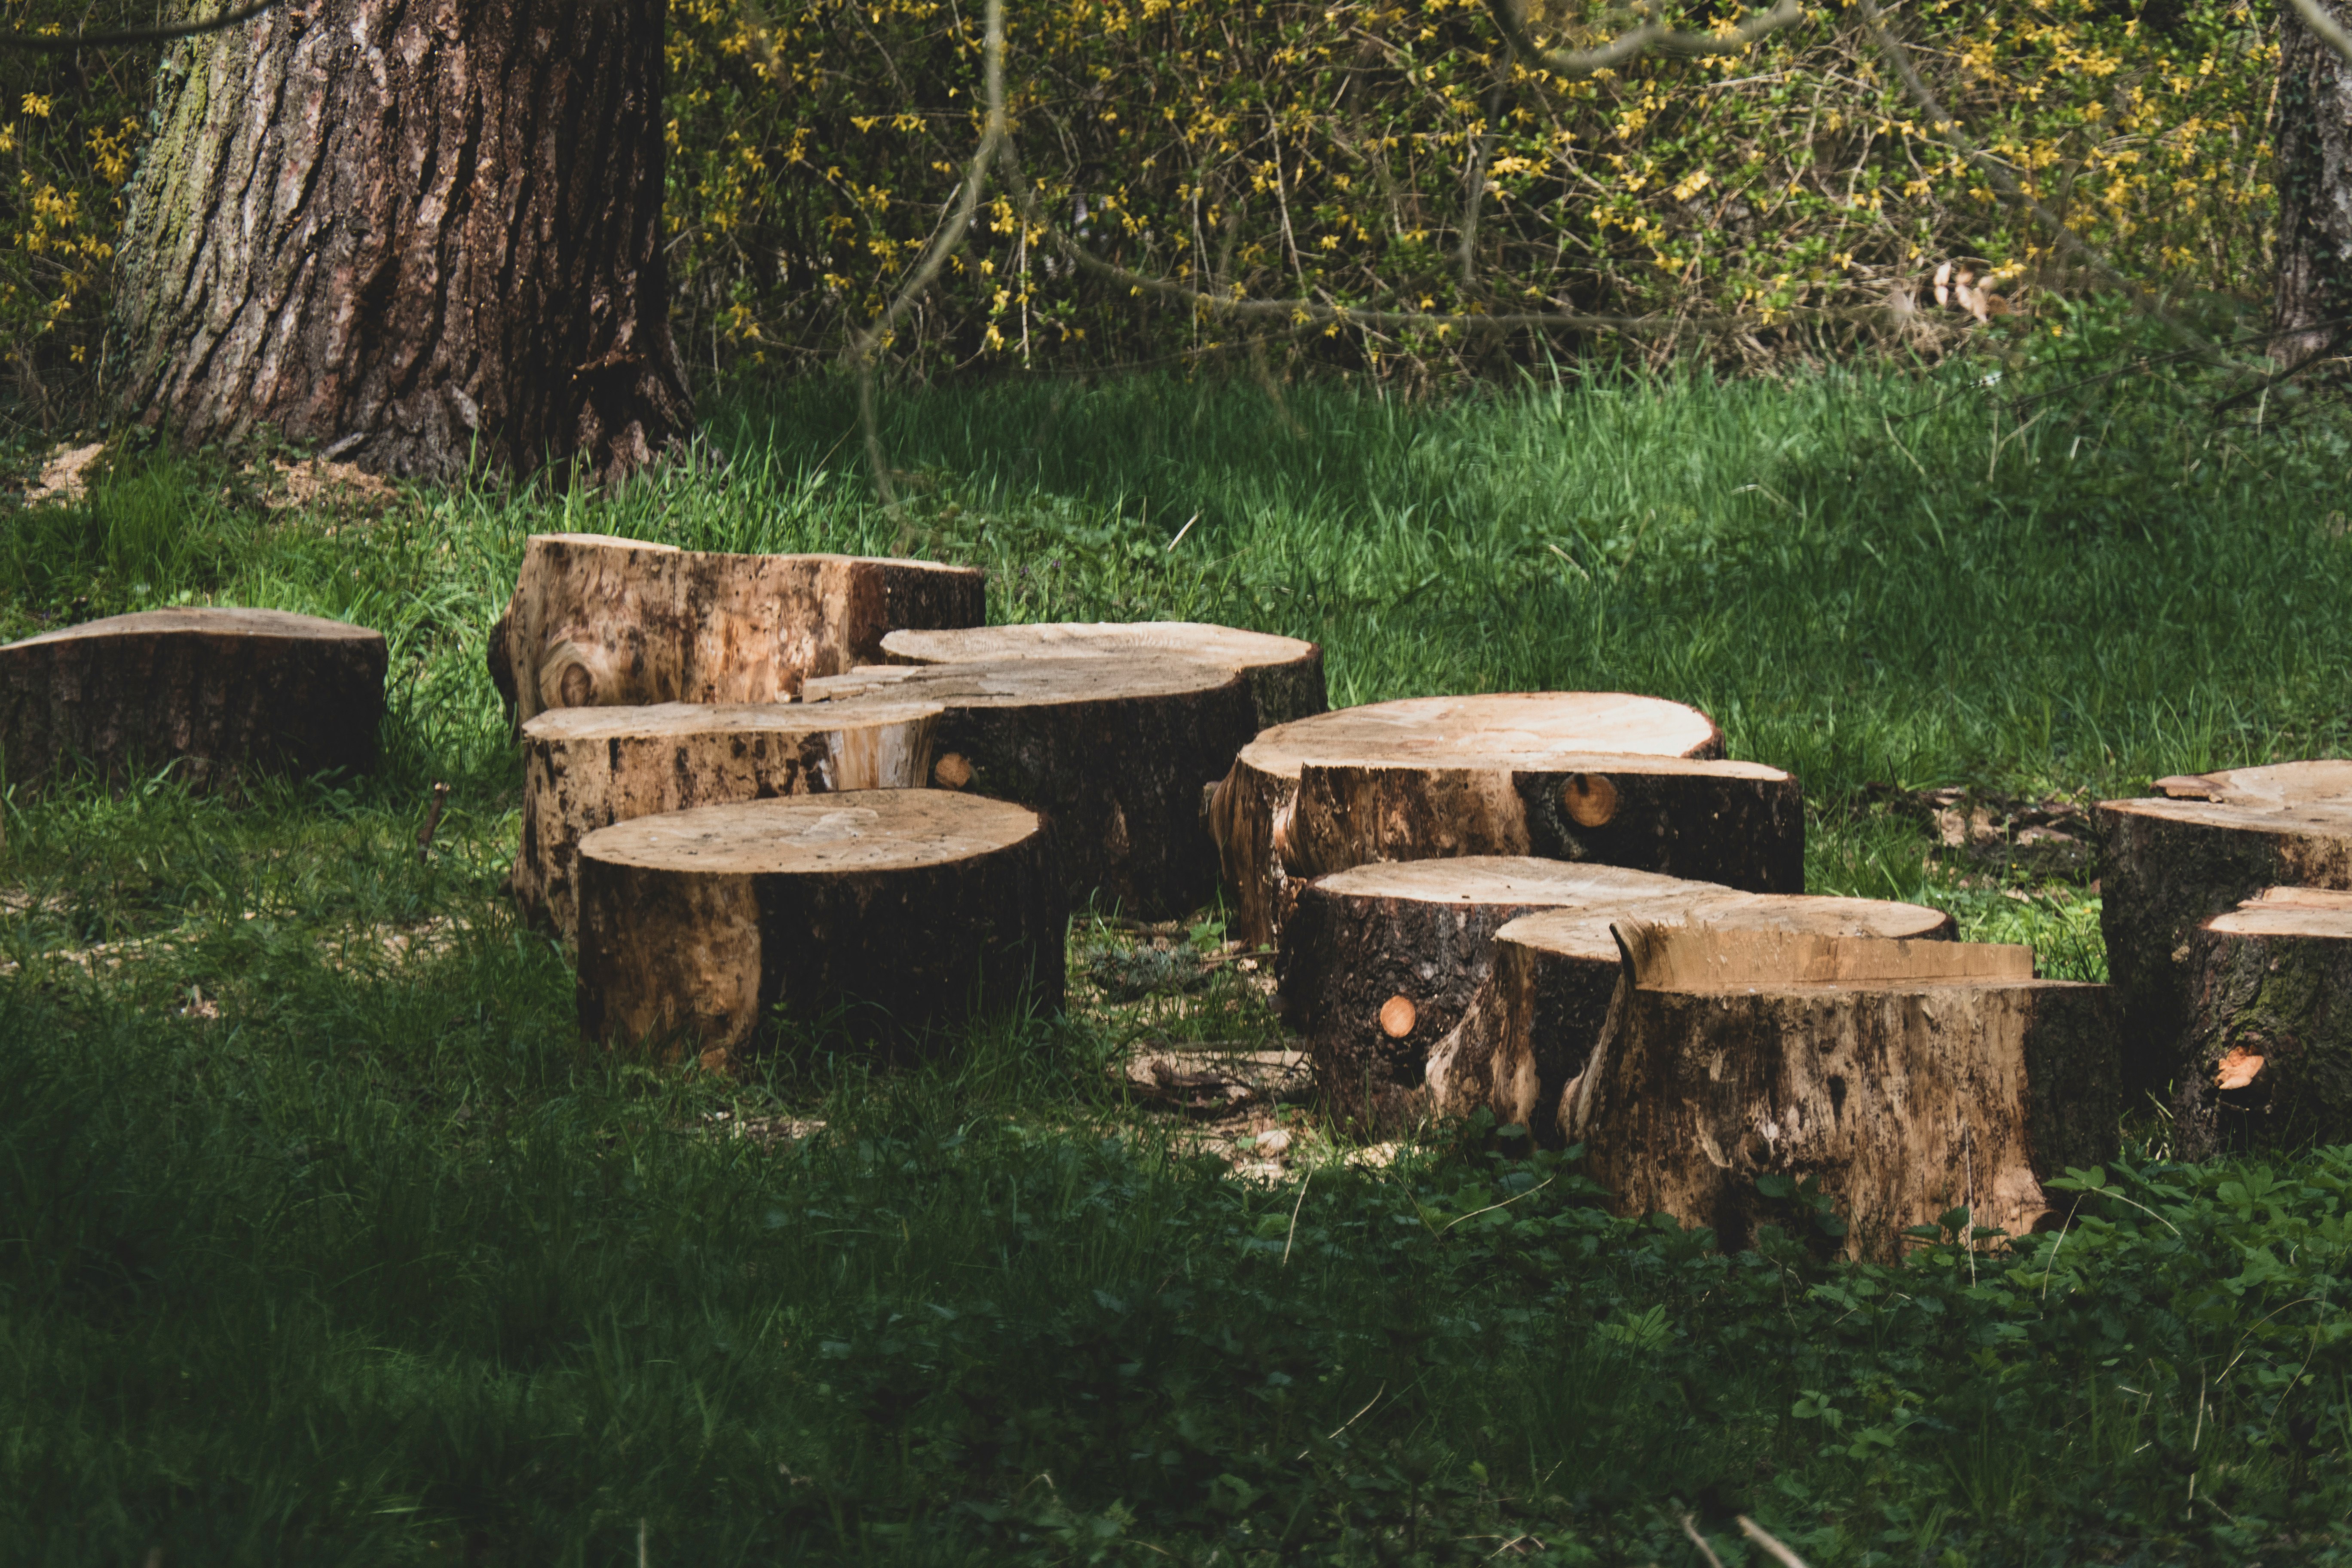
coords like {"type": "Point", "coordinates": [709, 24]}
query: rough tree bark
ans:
{"type": "Point", "coordinates": [2269, 1053]}
{"type": "Point", "coordinates": [425, 233]}
{"type": "Point", "coordinates": [2312, 129]}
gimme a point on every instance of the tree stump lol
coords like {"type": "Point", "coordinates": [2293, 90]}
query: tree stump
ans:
{"type": "Point", "coordinates": [2269, 1053]}
{"type": "Point", "coordinates": [1908, 1078]}
{"type": "Point", "coordinates": [1285, 675]}
{"type": "Point", "coordinates": [1111, 749]}
{"type": "Point", "coordinates": [900, 912]}
{"type": "Point", "coordinates": [2198, 848]}
{"type": "Point", "coordinates": [1538, 1009]}
{"type": "Point", "coordinates": [586, 768]}
{"type": "Point", "coordinates": [215, 690]}
{"type": "Point", "coordinates": [597, 621]}
{"type": "Point", "coordinates": [1273, 836]}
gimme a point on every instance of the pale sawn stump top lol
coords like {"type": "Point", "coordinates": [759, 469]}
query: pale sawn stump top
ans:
{"type": "Point", "coordinates": [1585, 934]}
{"type": "Point", "coordinates": [1025, 682]}
{"type": "Point", "coordinates": [660, 721]}
{"type": "Point", "coordinates": [1518, 728]}
{"type": "Point", "coordinates": [1510, 879]}
{"type": "Point", "coordinates": [619, 542]}
{"type": "Point", "coordinates": [2290, 913]}
{"type": "Point", "coordinates": [1094, 639]}
{"type": "Point", "coordinates": [849, 831]}
{"type": "Point", "coordinates": [210, 620]}
{"type": "Point", "coordinates": [2283, 796]}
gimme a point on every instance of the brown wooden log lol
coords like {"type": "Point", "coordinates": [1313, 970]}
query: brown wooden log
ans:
{"type": "Point", "coordinates": [2198, 848]}
{"type": "Point", "coordinates": [218, 693]}
{"type": "Point", "coordinates": [1381, 964]}
{"type": "Point", "coordinates": [2269, 1053]}
{"type": "Point", "coordinates": [900, 913]}
{"type": "Point", "coordinates": [1908, 1078]}
{"type": "Point", "coordinates": [1285, 675]}
{"type": "Point", "coordinates": [1111, 749]}
{"type": "Point", "coordinates": [597, 621]}
{"type": "Point", "coordinates": [586, 768]}
{"type": "Point", "coordinates": [1268, 847]}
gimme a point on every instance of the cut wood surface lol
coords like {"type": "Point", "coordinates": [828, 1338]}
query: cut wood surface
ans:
{"type": "Point", "coordinates": [2199, 847]}
{"type": "Point", "coordinates": [586, 768]}
{"type": "Point", "coordinates": [1934, 1077]}
{"type": "Point", "coordinates": [1112, 748]}
{"type": "Point", "coordinates": [2269, 1049]}
{"type": "Point", "coordinates": [1284, 674]}
{"type": "Point", "coordinates": [1269, 849]}
{"type": "Point", "coordinates": [598, 621]}
{"type": "Point", "coordinates": [216, 690]}
{"type": "Point", "coordinates": [1508, 1001]}
{"type": "Point", "coordinates": [889, 913]}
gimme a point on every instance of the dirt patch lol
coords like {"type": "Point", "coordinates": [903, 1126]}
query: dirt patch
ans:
{"type": "Point", "coordinates": [65, 476]}
{"type": "Point", "coordinates": [2053, 838]}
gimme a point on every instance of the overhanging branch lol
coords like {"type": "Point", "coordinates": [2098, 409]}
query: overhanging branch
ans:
{"type": "Point", "coordinates": [65, 44]}
{"type": "Point", "coordinates": [1652, 37]}
{"type": "Point", "coordinates": [2324, 27]}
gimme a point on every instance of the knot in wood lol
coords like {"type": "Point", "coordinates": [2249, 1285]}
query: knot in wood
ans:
{"type": "Point", "coordinates": [1397, 1016]}
{"type": "Point", "coordinates": [951, 771]}
{"type": "Point", "coordinates": [1589, 798]}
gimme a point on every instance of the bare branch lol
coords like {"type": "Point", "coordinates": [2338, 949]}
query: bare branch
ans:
{"type": "Point", "coordinates": [1946, 130]}
{"type": "Point", "coordinates": [2324, 27]}
{"type": "Point", "coordinates": [1652, 37]}
{"type": "Point", "coordinates": [65, 45]}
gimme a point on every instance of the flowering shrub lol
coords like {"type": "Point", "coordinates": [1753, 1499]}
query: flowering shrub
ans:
{"type": "Point", "coordinates": [1351, 151]}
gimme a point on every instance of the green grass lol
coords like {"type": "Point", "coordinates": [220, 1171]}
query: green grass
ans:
{"type": "Point", "coordinates": [322, 1239]}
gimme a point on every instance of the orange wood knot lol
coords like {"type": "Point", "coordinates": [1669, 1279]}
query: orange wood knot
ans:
{"type": "Point", "coordinates": [2237, 1069]}
{"type": "Point", "coordinates": [951, 771]}
{"type": "Point", "coordinates": [1589, 798]}
{"type": "Point", "coordinates": [1397, 1016]}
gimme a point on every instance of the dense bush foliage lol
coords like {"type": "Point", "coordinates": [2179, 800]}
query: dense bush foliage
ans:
{"type": "Point", "coordinates": [1349, 151]}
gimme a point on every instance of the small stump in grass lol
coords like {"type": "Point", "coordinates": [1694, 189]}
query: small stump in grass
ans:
{"type": "Point", "coordinates": [1112, 748]}
{"type": "Point", "coordinates": [2198, 848]}
{"type": "Point", "coordinates": [586, 768]}
{"type": "Point", "coordinates": [906, 912]}
{"type": "Point", "coordinates": [1584, 776]}
{"type": "Point", "coordinates": [1908, 1079]}
{"type": "Point", "coordinates": [1285, 675]}
{"type": "Point", "coordinates": [597, 621]}
{"type": "Point", "coordinates": [2269, 1052]}
{"type": "Point", "coordinates": [218, 691]}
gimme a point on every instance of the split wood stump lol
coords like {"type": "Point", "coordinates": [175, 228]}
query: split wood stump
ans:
{"type": "Point", "coordinates": [2198, 848]}
{"type": "Point", "coordinates": [1381, 963]}
{"type": "Point", "coordinates": [1112, 748]}
{"type": "Point", "coordinates": [597, 621]}
{"type": "Point", "coordinates": [216, 690]}
{"type": "Point", "coordinates": [1285, 675]}
{"type": "Point", "coordinates": [586, 768]}
{"type": "Point", "coordinates": [896, 912]}
{"type": "Point", "coordinates": [2269, 1053]}
{"type": "Point", "coordinates": [1908, 1078]}
{"type": "Point", "coordinates": [1564, 775]}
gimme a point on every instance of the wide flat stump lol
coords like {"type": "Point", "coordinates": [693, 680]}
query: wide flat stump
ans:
{"type": "Point", "coordinates": [2269, 1052]}
{"type": "Point", "coordinates": [218, 691]}
{"type": "Point", "coordinates": [1385, 971]}
{"type": "Point", "coordinates": [1433, 777]}
{"type": "Point", "coordinates": [598, 621]}
{"type": "Point", "coordinates": [2198, 848]}
{"type": "Point", "coordinates": [1907, 1079]}
{"type": "Point", "coordinates": [1284, 674]}
{"type": "Point", "coordinates": [1112, 748]}
{"type": "Point", "coordinates": [586, 768]}
{"type": "Point", "coordinates": [897, 913]}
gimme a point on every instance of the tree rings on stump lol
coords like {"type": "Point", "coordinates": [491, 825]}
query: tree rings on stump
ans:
{"type": "Point", "coordinates": [597, 621]}
{"type": "Point", "coordinates": [2269, 1053]}
{"type": "Point", "coordinates": [2198, 848]}
{"type": "Point", "coordinates": [1423, 931]}
{"type": "Point", "coordinates": [900, 912]}
{"type": "Point", "coordinates": [1438, 776]}
{"type": "Point", "coordinates": [1112, 748]}
{"type": "Point", "coordinates": [586, 768]}
{"type": "Point", "coordinates": [1285, 675]}
{"type": "Point", "coordinates": [216, 690]}
{"type": "Point", "coordinates": [1908, 1079]}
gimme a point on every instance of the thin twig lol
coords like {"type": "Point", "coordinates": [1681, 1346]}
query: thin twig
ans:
{"type": "Point", "coordinates": [1772, 1546]}
{"type": "Point", "coordinates": [1700, 1541]}
{"type": "Point", "coordinates": [432, 821]}
{"type": "Point", "coordinates": [2324, 27]}
{"type": "Point", "coordinates": [1293, 1212]}
{"type": "Point", "coordinates": [1652, 37]}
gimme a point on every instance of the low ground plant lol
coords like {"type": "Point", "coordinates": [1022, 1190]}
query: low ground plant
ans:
{"type": "Point", "coordinates": [323, 1238]}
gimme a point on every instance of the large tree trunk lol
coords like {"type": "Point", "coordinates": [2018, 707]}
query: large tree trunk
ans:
{"type": "Point", "coordinates": [427, 233]}
{"type": "Point", "coordinates": [2312, 128]}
